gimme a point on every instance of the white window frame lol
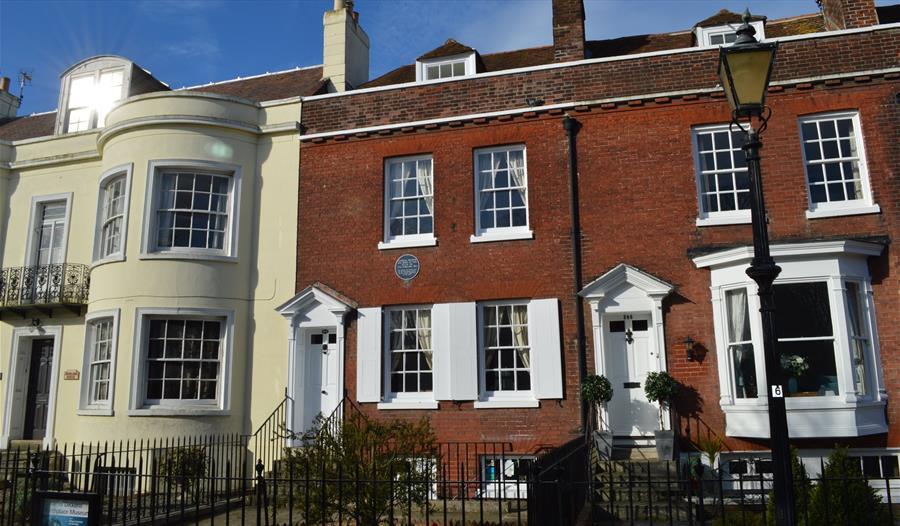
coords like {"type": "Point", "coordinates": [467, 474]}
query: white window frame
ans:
{"type": "Point", "coordinates": [139, 406]}
{"type": "Point", "coordinates": [34, 220]}
{"type": "Point", "coordinates": [486, 235]}
{"type": "Point", "coordinates": [93, 67]}
{"type": "Point", "coordinates": [124, 170]}
{"type": "Point", "coordinates": [468, 60]}
{"type": "Point", "coordinates": [848, 413]}
{"type": "Point", "coordinates": [730, 217]}
{"type": "Point", "coordinates": [149, 247]}
{"type": "Point", "coordinates": [86, 406]}
{"type": "Point", "coordinates": [410, 240]}
{"type": "Point", "coordinates": [704, 34]}
{"type": "Point", "coordinates": [518, 398]}
{"type": "Point", "coordinates": [403, 400]}
{"type": "Point", "coordinates": [866, 205]}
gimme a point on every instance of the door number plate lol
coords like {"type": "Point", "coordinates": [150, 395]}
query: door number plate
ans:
{"type": "Point", "coordinates": [777, 391]}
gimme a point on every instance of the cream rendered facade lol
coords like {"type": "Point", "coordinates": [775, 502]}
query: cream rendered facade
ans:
{"type": "Point", "coordinates": [257, 145]}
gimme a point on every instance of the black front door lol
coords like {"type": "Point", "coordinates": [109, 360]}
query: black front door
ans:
{"type": "Point", "coordinates": [38, 400]}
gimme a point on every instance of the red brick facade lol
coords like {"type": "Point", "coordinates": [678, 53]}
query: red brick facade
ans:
{"type": "Point", "coordinates": [638, 205]}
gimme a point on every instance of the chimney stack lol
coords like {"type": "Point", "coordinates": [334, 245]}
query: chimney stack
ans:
{"type": "Point", "coordinates": [346, 48]}
{"type": "Point", "coordinates": [568, 30]}
{"type": "Point", "coordinates": [9, 103]}
{"type": "Point", "coordinates": [848, 14]}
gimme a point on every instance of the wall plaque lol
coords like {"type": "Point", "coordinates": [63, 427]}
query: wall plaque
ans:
{"type": "Point", "coordinates": [407, 267]}
{"type": "Point", "coordinates": [71, 374]}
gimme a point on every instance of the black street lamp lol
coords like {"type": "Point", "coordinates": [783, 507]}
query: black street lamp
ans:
{"type": "Point", "coordinates": [744, 69]}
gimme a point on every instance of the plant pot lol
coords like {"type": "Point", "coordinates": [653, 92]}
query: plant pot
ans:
{"type": "Point", "coordinates": [665, 445]}
{"type": "Point", "coordinates": [603, 443]}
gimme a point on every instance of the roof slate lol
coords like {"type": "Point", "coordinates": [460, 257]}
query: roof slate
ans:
{"type": "Point", "coordinates": [447, 49]}
{"type": "Point", "coordinates": [726, 17]}
{"type": "Point", "coordinates": [629, 45]}
{"type": "Point", "coordinates": [306, 81]}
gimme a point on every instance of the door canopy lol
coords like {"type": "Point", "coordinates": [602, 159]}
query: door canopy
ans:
{"type": "Point", "coordinates": [314, 302]}
{"type": "Point", "coordinates": [625, 281]}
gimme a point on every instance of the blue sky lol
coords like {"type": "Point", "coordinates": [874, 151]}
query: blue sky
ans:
{"type": "Point", "coordinates": [188, 42]}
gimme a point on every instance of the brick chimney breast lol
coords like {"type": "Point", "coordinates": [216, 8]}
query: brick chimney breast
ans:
{"type": "Point", "coordinates": [568, 30]}
{"type": "Point", "coordinates": [848, 14]}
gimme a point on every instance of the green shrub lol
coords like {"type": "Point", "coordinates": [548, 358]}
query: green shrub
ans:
{"type": "Point", "coordinates": [662, 388]}
{"type": "Point", "coordinates": [185, 467]}
{"type": "Point", "coordinates": [802, 494]}
{"type": "Point", "coordinates": [844, 496]}
{"type": "Point", "coordinates": [596, 390]}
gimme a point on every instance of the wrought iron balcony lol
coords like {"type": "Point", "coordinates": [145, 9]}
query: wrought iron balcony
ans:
{"type": "Point", "coordinates": [44, 287]}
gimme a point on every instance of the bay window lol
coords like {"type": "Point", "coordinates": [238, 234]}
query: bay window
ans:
{"type": "Point", "coordinates": [825, 337]}
{"type": "Point", "coordinates": [99, 366]}
{"type": "Point", "coordinates": [112, 215]}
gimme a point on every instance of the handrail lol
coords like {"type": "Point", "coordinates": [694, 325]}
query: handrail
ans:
{"type": "Point", "coordinates": [54, 284]}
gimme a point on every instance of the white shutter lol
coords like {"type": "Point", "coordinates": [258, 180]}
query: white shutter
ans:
{"type": "Point", "coordinates": [546, 355]}
{"type": "Point", "coordinates": [368, 355]}
{"type": "Point", "coordinates": [455, 344]}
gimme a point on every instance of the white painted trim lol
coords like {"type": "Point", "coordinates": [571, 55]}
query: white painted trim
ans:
{"type": "Point", "coordinates": [408, 404]}
{"type": "Point", "coordinates": [156, 120]}
{"type": "Point", "coordinates": [94, 67]}
{"type": "Point", "coordinates": [703, 34]}
{"type": "Point", "coordinates": [730, 217]}
{"type": "Point", "coordinates": [424, 241]}
{"type": "Point", "coordinates": [105, 178]}
{"type": "Point", "coordinates": [84, 406]}
{"type": "Point", "coordinates": [222, 404]}
{"type": "Point", "coordinates": [30, 333]}
{"type": "Point", "coordinates": [742, 219]}
{"type": "Point", "coordinates": [36, 201]}
{"type": "Point", "coordinates": [622, 274]}
{"type": "Point", "coordinates": [618, 58]}
{"type": "Point", "coordinates": [149, 249]}
{"type": "Point", "coordinates": [839, 208]}
{"type": "Point", "coordinates": [840, 212]}
{"type": "Point", "coordinates": [567, 105]}
{"type": "Point", "coordinates": [511, 403]}
{"type": "Point", "coordinates": [802, 250]}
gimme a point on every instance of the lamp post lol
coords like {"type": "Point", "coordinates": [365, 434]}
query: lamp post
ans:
{"type": "Point", "coordinates": [744, 69]}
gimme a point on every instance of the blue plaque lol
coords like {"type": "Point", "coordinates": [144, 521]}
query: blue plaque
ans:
{"type": "Point", "coordinates": [407, 267]}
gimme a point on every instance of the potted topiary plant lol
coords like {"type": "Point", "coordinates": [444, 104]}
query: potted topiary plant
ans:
{"type": "Point", "coordinates": [662, 389]}
{"type": "Point", "coordinates": [596, 391]}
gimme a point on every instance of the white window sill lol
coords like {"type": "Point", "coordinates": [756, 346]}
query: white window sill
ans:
{"type": "Point", "coordinates": [178, 411]}
{"type": "Point", "coordinates": [490, 237]}
{"type": "Point", "coordinates": [408, 404]}
{"type": "Point", "coordinates": [743, 219]}
{"type": "Point", "coordinates": [810, 417]}
{"type": "Point", "coordinates": [839, 212]}
{"type": "Point", "coordinates": [407, 243]}
{"type": "Point", "coordinates": [507, 404]}
{"type": "Point", "coordinates": [95, 411]}
{"type": "Point", "coordinates": [192, 256]}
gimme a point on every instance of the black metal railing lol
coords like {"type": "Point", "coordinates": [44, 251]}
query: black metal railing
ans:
{"type": "Point", "coordinates": [56, 284]}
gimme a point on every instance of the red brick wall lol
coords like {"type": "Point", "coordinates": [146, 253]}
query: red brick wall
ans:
{"type": "Point", "coordinates": [568, 30]}
{"type": "Point", "coordinates": [340, 225]}
{"type": "Point", "coordinates": [847, 14]}
{"type": "Point", "coordinates": [638, 205]}
{"type": "Point", "coordinates": [656, 74]}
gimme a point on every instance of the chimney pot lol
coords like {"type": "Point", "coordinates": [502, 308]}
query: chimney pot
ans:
{"type": "Point", "coordinates": [4, 83]}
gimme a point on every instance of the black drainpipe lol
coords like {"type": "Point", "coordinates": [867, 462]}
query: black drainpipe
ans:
{"type": "Point", "coordinates": [572, 126]}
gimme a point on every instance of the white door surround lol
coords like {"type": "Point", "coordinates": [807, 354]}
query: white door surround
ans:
{"type": "Point", "coordinates": [315, 380]}
{"type": "Point", "coordinates": [17, 383]}
{"type": "Point", "coordinates": [628, 292]}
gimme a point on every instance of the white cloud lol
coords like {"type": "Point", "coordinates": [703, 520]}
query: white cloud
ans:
{"type": "Point", "coordinates": [195, 48]}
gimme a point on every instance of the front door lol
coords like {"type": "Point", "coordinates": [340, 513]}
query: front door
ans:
{"type": "Point", "coordinates": [38, 393]}
{"type": "Point", "coordinates": [629, 357]}
{"type": "Point", "coordinates": [319, 393]}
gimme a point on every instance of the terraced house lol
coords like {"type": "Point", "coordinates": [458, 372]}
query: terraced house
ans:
{"type": "Point", "coordinates": [500, 225]}
{"type": "Point", "coordinates": [148, 234]}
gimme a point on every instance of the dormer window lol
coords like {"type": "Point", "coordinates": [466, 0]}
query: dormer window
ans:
{"type": "Point", "coordinates": [89, 90]}
{"type": "Point", "coordinates": [446, 67]}
{"type": "Point", "coordinates": [725, 34]}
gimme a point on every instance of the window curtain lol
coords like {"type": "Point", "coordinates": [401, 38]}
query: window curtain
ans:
{"type": "Point", "coordinates": [857, 336]}
{"type": "Point", "coordinates": [396, 341]}
{"type": "Point", "coordinates": [739, 331]}
{"type": "Point", "coordinates": [520, 334]}
{"type": "Point", "coordinates": [738, 323]}
{"type": "Point", "coordinates": [517, 171]}
{"type": "Point", "coordinates": [423, 333]}
{"type": "Point", "coordinates": [486, 179]}
{"type": "Point", "coordinates": [426, 185]}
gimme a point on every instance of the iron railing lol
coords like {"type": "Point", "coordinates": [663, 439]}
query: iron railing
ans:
{"type": "Point", "coordinates": [56, 284]}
